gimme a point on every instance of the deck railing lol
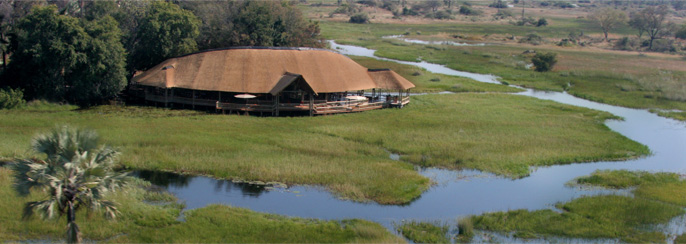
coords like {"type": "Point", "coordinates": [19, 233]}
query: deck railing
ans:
{"type": "Point", "coordinates": [318, 106]}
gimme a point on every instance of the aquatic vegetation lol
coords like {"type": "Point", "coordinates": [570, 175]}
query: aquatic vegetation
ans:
{"type": "Point", "coordinates": [658, 198]}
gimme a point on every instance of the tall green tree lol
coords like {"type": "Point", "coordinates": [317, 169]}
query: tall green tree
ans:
{"type": "Point", "coordinates": [75, 174]}
{"type": "Point", "coordinates": [652, 21]}
{"type": "Point", "coordinates": [253, 23]}
{"type": "Point", "coordinates": [165, 31]}
{"type": "Point", "coordinates": [62, 58]}
{"type": "Point", "coordinates": [608, 19]}
{"type": "Point", "coordinates": [103, 74]}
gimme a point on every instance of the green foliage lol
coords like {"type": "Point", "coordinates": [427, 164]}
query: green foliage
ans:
{"type": "Point", "coordinates": [165, 31]}
{"type": "Point", "coordinates": [528, 21]}
{"type": "Point", "coordinates": [11, 98]}
{"type": "Point", "coordinates": [541, 22]}
{"type": "Point", "coordinates": [60, 58]}
{"type": "Point", "coordinates": [502, 14]}
{"type": "Point", "coordinates": [253, 23]}
{"type": "Point", "coordinates": [76, 174]}
{"type": "Point", "coordinates": [532, 38]}
{"type": "Point", "coordinates": [359, 18]}
{"type": "Point", "coordinates": [544, 61]}
{"type": "Point", "coordinates": [440, 14]}
{"type": "Point", "coordinates": [424, 232]}
{"type": "Point", "coordinates": [681, 33]}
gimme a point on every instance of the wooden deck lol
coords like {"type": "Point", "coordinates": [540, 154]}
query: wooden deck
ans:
{"type": "Point", "coordinates": [319, 107]}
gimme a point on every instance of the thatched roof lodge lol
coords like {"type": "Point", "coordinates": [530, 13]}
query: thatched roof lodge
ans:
{"type": "Point", "coordinates": [271, 80]}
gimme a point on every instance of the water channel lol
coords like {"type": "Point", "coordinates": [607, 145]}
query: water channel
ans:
{"type": "Point", "coordinates": [457, 193]}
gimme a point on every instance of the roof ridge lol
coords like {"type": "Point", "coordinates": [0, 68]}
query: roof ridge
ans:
{"type": "Point", "coordinates": [257, 48]}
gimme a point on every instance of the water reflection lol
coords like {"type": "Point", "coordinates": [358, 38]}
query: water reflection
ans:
{"type": "Point", "coordinates": [172, 181]}
{"type": "Point", "coordinates": [164, 179]}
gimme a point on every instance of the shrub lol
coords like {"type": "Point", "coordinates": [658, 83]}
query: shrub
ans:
{"type": "Point", "coordinates": [541, 22]}
{"type": "Point", "coordinates": [345, 9]}
{"type": "Point", "coordinates": [467, 10]}
{"type": "Point", "coordinates": [441, 14]}
{"type": "Point", "coordinates": [359, 18]}
{"type": "Point", "coordinates": [502, 14]}
{"type": "Point", "coordinates": [527, 21]}
{"type": "Point", "coordinates": [11, 98]}
{"type": "Point", "coordinates": [544, 61]}
{"type": "Point", "coordinates": [627, 44]}
{"type": "Point", "coordinates": [410, 12]}
{"type": "Point", "coordinates": [532, 38]}
{"type": "Point", "coordinates": [664, 45]}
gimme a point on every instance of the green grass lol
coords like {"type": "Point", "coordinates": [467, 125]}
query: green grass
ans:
{"type": "Point", "coordinates": [348, 154]}
{"type": "Point", "coordinates": [619, 78]}
{"type": "Point", "coordinates": [674, 115]}
{"type": "Point", "coordinates": [424, 232]}
{"type": "Point", "coordinates": [658, 197]}
{"type": "Point", "coordinates": [620, 217]}
{"type": "Point", "coordinates": [149, 216]}
{"type": "Point", "coordinates": [663, 187]}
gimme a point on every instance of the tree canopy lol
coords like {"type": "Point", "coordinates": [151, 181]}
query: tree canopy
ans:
{"type": "Point", "coordinates": [165, 31]}
{"type": "Point", "coordinates": [253, 23]}
{"type": "Point", "coordinates": [79, 51]}
{"type": "Point", "coordinates": [651, 21]}
{"type": "Point", "coordinates": [608, 19]}
{"type": "Point", "coordinates": [62, 58]}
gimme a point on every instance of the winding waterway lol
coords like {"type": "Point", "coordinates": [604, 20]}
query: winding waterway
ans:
{"type": "Point", "coordinates": [457, 193]}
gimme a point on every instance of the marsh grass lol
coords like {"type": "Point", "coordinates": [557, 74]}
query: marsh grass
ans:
{"type": "Point", "coordinates": [658, 197]}
{"type": "Point", "coordinates": [140, 221]}
{"type": "Point", "coordinates": [499, 133]}
{"type": "Point", "coordinates": [678, 115]}
{"type": "Point", "coordinates": [619, 78]}
{"type": "Point", "coordinates": [465, 229]}
{"type": "Point", "coordinates": [425, 232]}
{"type": "Point", "coordinates": [663, 187]}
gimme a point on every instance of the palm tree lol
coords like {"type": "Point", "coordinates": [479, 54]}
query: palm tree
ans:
{"type": "Point", "coordinates": [76, 173]}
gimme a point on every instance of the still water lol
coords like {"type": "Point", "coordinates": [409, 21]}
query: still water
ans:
{"type": "Point", "coordinates": [457, 193]}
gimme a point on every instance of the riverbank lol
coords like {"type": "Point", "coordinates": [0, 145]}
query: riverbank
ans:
{"type": "Point", "coordinates": [147, 215]}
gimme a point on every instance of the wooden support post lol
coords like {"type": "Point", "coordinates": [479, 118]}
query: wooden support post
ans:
{"type": "Point", "coordinates": [276, 104]}
{"type": "Point", "coordinates": [400, 98]}
{"type": "Point", "coordinates": [219, 102]}
{"type": "Point", "coordinates": [311, 104]}
{"type": "Point", "coordinates": [166, 97]}
{"type": "Point", "coordinates": [193, 100]}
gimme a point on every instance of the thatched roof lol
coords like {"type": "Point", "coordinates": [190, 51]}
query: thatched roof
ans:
{"type": "Point", "coordinates": [266, 70]}
{"type": "Point", "coordinates": [387, 79]}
